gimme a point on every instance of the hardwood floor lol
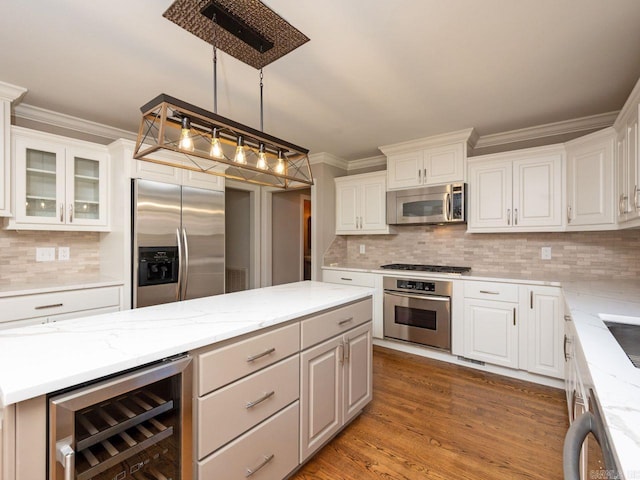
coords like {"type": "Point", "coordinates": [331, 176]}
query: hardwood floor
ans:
{"type": "Point", "coordinates": [433, 420]}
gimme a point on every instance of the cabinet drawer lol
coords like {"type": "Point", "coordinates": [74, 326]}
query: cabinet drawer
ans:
{"type": "Point", "coordinates": [46, 304]}
{"type": "Point", "coordinates": [349, 278]}
{"type": "Point", "coordinates": [226, 364]}
{"type": "Point", "coordinates": [227, 413]}
{"type": "Point", "coordinates": [503, 292]}
{"type": "Point", "coordinates": [334, 322]}
{"type": "Point", "coordinates": [273, 444]}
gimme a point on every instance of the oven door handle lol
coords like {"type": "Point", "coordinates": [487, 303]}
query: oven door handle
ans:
{"type": "Point", "coordinates": [419, 297]}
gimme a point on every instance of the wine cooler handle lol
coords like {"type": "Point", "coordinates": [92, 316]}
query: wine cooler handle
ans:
{"type": "Point", "coordinates": [66, 457]}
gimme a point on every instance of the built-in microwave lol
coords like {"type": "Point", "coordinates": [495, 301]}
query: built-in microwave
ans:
{"type": "Point", "coordinates": [437, 204]}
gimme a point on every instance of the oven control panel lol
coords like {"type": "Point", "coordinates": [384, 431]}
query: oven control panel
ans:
{"type": "Point", "coordinates": [418, 285]}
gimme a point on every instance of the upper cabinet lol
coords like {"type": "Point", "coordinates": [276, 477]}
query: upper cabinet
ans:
{"type": "Point", "coordinates": [628, 160]}
{"type": "Point", "coordinates": [517, 191]}
{"type": "Point", "coordinates": [590, 192]}
{"type": "Point", "coordinates": [8, 94]}
{"type": "Point", "coordinates": [361, 204]}
{"type": "Point", "coordinates": [429, 161]}
{"type": "Point", "coordinates": [59, 183]}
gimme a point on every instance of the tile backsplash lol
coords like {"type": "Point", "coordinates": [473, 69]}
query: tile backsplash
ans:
{"type": "Point", "coordinates": [578, 254]}
{"type": "Point", "coordinates": [18, 264]}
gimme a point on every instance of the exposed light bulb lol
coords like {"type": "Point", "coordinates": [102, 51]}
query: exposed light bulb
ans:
{"type": "Point", "coordinates": [262, 158]}
{"type": "Point", "coordinates": [240, 156]}
{"type": "Point", "coordinates": [216, 146]}
{"type": "Point", "coordinates": [186, 142]}
{"type": "Point", "coordinates": [280, 165]}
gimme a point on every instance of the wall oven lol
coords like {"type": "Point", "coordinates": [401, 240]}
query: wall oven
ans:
{"type": "Point", "coordinates": [438, 204]}
{"type": "Point", "coordinates": [132, 426]}
{"type": "Point", "coordinates": [418, 311]}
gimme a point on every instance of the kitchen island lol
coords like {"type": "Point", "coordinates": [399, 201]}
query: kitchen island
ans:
{"type": "Point", "coordinates": [38, 360]}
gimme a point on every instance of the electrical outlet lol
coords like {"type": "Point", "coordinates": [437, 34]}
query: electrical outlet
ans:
{"type": "Point", "coordinates": [545, 253]}
{"type": "Point", "coordinates": [45, 254]}
{"type": "Point", "coordinates": [362, 248]}
{"type": "Point", "coordinates": [63, 253]}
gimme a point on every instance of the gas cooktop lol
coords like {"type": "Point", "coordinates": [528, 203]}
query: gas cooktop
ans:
{"type": "Point", "coordinates": [426, 268]}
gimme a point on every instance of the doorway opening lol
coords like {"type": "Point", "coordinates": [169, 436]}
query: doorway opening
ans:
{"type": "Point", "coordinates": [238, 237]}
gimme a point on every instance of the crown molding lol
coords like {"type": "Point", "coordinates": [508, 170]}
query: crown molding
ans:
{"type": "Point", "coordinates": [61, 120]}
{"type": "Point", "coordinates": [629, 106]}
{"type": "Point", "coordinates": [12, 93]}
{"type": "Point", "coordinates": [421, 143]}
{"type": "Point", "coordinates": [581, 124]}
{"type": "Point", "coordinates": [329, 159]}
{"type": "Point", "coordinates": [369, 162]}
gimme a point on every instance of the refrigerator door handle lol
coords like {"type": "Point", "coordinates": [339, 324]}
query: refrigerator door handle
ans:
{"type": "Point", "coordinates": [178, 285]}
{"type": "Point", "coordinates": [186, 263]}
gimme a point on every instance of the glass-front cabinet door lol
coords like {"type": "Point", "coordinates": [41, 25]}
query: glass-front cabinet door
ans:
{"type": "Point", "coordinates": [59, 185]}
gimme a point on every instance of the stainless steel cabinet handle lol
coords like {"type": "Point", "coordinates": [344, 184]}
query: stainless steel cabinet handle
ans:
{"type": "Point", "coordinates": [269, 351]}
{"type": "Point", "coordinates": [515, 216]}
{"type": "Point", "coordinates": [186, 263]}
{"type": "Point", "coordinates": [569, 214]}
{"type": "Point", "coordinates": [251, 471]}
{"type": "Point", "coordinates": [514, 316]}
{"type": "Point", "coordinates": [489, 292]}
{"type": "Point", "coordinates": [347, 349]}
{"type": "Point", "coordinates": [341, 353]}
{"type": "Point", "coordinates": [531, 299]}
{"type": "Point", "coordinates": [567, 318]}
{"type": "Point", "coordinates": [508, 216]}
{"type": "Point", "coordinates": [425, 176]}
{"type": "Point", "coordinates": [345, 321]}
{"type": "Point", "coordinates": [419, 175]}
{"type": "Point", "coordinates": [71, 213]}
{"type": "Point", "coordinates": [66, 457]}
{"type": "Point", "coordinates": [346, 279]}
{"type": "Point", "coordinates": [260, 400]}
{"type": "Point", "coordinates": [62, 212]}
{"type": "Point", "coordinates": [179, 284]}
{"type": "Point", "coordinates": [564, 347]}
{"type": "Point", "coordinates": [53, 305]}
{"type": "Point", "coordinates": [635, 197]}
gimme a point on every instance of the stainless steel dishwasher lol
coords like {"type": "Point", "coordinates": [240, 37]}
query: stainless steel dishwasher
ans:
{"type": "Point", "coordinates": [135, 425]}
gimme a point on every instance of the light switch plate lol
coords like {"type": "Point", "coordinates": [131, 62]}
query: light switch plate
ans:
{"type": "Point", "coordinates": [362, 248]}
{"type": "Point", "coordinates": [45, 254]}
{"type": "Point", "coordinates": [63, 253]}
{"type": "Point", "coordinates": [545, 253]}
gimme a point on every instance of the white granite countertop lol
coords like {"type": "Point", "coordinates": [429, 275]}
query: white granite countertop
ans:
{"type": "Point", "coordinates": [615, 380]}
{"type": "Point", "coordinates": [73, 283]}
{"type": "Point", "coordinates": [39, 359]}
{"type": "Point", "coordinates": [506, 277]}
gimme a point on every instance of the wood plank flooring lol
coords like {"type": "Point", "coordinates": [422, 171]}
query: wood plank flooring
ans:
{"type": "Point", "coordinates": [434, 420]}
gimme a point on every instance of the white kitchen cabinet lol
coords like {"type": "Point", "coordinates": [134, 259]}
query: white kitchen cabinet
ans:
{"type": "Point", "coordinates": [8, 94]}
{"type": "Point", "coordinates": [64, 304]}
{"type": "Point", "coordinates": [544, 331]}
{"type": "Point", "coordinates": [60, 183]}
{"type": "Point", "coordinates": [336, 385]}
{"type": "Point", "coordinates": [590, 190]}
{"type": "Point", "coordinates": [517, 191]}
{"type": "Point", "coordinates": [361, 204]}
{"type": "Point", "coordinates": [361, 279]}
{"type": "Point", "coordinates": [429, 161]}
{"type": "Point", "coordinates": [628, 166]}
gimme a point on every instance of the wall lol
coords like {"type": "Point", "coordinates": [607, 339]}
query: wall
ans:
{"type": "Point", "coordinates": [287, 236]}
{"type": "Point", "coordinates": [18, 264]}
{"type": "Point", "coordinates": [576, 254]}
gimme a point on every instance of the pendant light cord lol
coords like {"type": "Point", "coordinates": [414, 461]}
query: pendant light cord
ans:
{"type": "Point", "coordinates": [215, 64]}
{"type": "Point", "coordinates": [261, 108]}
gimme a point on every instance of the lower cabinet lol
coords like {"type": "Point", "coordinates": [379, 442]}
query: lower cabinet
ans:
{"type": "Point", "coordinates": [514, 326]}
{"type": "Point", "coordinates": [336, 385]}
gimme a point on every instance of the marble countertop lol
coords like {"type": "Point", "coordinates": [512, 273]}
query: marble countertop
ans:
{"type": "Point", "coordinates": [478, 275]}
{"type": "Point", "coordinates": [74, 283]}
{"type": "Point", "coordinates": [39, 359]}
{"type": "Point", "coordinates": [615, 380]}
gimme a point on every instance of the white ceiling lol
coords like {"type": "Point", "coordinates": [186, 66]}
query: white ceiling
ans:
{"type": "Point", "coordinates": [375, 72]}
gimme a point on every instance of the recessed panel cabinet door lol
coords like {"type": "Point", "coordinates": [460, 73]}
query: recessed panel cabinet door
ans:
{"type": "Point", "coordinates": [545, 332]}
{"type": "Point", "coordinates": [347, 198]}
{"type": "Point", "coordinates": [373, 206]}
{"type": "Point", "coordinates": [490, 189]}
{"type": "Point", "coordinates": [404, 170]}
{"type": "Point", "coordinates": [537, 191]}
{"type": "Point", "coordinates": [321, 395]}
{"type": "Point", "coordinates": [357, 370]}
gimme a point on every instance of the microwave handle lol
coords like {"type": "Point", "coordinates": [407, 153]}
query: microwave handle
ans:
{"type": "Point", "coordinates": [448, 206]}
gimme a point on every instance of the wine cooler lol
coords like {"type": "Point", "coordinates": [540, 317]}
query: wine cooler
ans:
{"type": "Point", "coordinates": [134, 426]}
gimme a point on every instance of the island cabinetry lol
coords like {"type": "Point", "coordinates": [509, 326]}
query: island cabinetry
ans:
{"type": "Point", "coordinates": [32, 309]}
{"type": "Point", "coordinates": [241, 386]}
{"type": "Point", "coordinates": [336, 374]}
{"type": "Point", "coordinates": [517, 191]}
{"type": "Point", "coordinates": [60, 183]}
{"type": "Point", "coordinates": [361, 204]}
{"type": "Point", "coordinates": [590, 180]}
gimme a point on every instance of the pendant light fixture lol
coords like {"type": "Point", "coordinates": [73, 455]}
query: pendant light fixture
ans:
{"type": "Point", "coordinates": [176, 133]}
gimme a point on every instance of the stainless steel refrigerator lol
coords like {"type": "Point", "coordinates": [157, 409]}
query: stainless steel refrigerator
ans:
{"type": "Point", "coordinates": [178, 243]}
